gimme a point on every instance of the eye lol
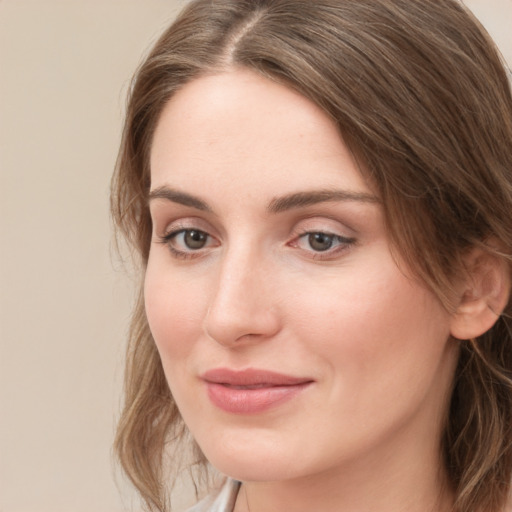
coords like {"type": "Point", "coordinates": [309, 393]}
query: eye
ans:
{"type": "Point", "coordinates": [192, 238]}
{"type": "Point", "coordinates": [187, 243]}
{"type": "Point", "coordinates": [321, 242]}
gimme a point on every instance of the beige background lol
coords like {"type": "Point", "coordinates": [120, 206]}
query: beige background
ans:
{"type": "Point", "coordinates": [64, 304]}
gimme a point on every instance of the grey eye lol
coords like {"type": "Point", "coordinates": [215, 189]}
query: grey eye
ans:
{"type": "Point", "coordinates": [194, 239]}
{"type": "Point", "coordinates": [320, 241]}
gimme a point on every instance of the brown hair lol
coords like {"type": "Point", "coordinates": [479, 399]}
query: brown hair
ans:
{"type": "Point", "coordinates": [421, 97]}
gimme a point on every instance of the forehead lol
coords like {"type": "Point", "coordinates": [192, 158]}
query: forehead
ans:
{"type": "Point", "coordinates": [239, 126]}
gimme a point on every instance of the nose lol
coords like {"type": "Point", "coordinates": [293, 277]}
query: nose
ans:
{"type": "Point", "coordinates": [243, 307]}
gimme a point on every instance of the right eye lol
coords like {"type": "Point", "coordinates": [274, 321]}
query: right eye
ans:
{"type": "Point", "coordinates": [184, 243]}
{"type": "Point", "coordinates": [192, 239]}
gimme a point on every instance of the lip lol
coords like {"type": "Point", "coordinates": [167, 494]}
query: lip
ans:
{"type": "Point", "coordinates": [252, 390]}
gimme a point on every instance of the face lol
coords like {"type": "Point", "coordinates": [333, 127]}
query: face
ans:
{"type": "Point", "coordinates": [292, 342]}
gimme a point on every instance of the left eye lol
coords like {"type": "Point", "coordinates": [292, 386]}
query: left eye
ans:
{"type": "Point", "coordinates": [321, 242]}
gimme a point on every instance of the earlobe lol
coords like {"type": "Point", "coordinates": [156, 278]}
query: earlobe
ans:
{"type": "Point", "coordinates": [484, 296]}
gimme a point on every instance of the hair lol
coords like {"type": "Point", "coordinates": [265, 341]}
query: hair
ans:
{"type": "Point", "coordinates": [422, 99]}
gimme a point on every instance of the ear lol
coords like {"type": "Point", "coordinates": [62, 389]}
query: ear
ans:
{"type": "Point", "coordinates": [484, 294]}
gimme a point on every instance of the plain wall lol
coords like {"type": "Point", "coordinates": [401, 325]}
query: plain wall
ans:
{"type": "Point", "coordinates": [64, 301]}
{"type": "Point", "coordinates": [64, 72]}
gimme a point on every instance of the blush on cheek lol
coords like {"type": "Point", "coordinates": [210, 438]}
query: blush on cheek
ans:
{"type": "Point", "coordinates": [174, 316]}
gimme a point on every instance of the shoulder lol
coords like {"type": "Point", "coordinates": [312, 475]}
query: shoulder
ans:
{"type": "Point", "coordinates": [221, 501]}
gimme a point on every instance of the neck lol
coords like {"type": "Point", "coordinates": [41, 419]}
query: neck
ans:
{"type": "Point", "coordinates": [397, 481]}
{"type": "Point", "coordinates": [331, 496]}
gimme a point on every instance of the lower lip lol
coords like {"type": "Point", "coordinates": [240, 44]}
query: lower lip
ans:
{"type": "Point", "coordinates": [250, 401]}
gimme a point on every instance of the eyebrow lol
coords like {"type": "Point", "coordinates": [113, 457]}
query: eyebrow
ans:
{"type": "Point", "coordinates": [179, 197]}
{"type": "Point", "coordinates": [301, 199]}
{"type": "Point", "coordinates": [276, 205]}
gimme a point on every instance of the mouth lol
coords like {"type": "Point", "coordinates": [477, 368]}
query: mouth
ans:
{"type": "Point", "coordinates": [251, 391]}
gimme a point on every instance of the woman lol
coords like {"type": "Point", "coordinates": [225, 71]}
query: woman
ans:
{"type": "Point", "coordinates": [320, 194]}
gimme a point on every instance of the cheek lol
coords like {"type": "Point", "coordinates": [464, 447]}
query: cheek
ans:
{"type": "Point", "coordinates": [174, 310]}
{"type": "Point", "coordinates": [373, 324]}
{"type": "Point", "coordinates": [381, 341]}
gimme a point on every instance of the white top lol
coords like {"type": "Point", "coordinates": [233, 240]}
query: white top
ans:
{"type": "Point", "coordinates": [223, 501]}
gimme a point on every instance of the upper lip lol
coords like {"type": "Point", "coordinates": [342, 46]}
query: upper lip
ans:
{"type": "Point", "coordinates": [251, 377]}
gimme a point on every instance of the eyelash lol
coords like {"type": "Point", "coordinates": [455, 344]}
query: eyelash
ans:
{"type": "Point", "coordinates": [343, 243]}
{"type": "Point", "coordinates": [168, 239]}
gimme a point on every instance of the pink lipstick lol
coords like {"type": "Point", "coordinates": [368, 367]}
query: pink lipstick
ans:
{"type": "Point", "coordinates": [251, 391]}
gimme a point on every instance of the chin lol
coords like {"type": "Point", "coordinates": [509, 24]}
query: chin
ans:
{"type": "Point", "coordinates": [252, 462]}
{"type": "Point", "coordinates": [256, 470]}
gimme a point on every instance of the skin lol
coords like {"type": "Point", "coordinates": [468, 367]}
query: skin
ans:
{"type": "Point", "coordinates": [255, 293]}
